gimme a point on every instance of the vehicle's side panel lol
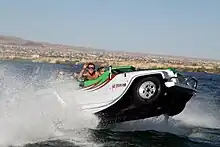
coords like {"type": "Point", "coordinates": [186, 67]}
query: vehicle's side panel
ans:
{"type": "Point", "coordinates": [101, 97]}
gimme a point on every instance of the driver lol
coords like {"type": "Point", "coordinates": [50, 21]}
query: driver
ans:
{"type": "Point", "coordinates": [100, 70]}
{"type": "Point", "coordinates": [88, 72]}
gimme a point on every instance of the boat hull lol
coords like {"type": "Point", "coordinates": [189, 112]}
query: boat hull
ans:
{"type": "Point", "coordinates": [171, 103]}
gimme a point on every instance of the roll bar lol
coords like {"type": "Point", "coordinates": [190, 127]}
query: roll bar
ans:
{"type": "Point", "coordinates": [110, 71]}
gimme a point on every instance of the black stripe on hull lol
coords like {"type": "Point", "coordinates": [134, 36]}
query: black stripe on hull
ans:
{"type": "Point", "coordinates": [172, 104]}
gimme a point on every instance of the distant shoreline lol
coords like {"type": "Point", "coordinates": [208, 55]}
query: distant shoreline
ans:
{"type": "Point", "coordinates": [16, 48]}
{"type": "Point", "coordinates": [215, 70]}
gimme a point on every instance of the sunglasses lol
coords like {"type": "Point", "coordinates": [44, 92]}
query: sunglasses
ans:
{"type": "Point", "coordinates": [91, 67]}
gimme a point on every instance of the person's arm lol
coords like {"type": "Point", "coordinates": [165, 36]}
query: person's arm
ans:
{"type": "Point", "coordinates": [82, 72]}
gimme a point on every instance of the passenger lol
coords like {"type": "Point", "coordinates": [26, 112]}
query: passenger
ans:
{"type": "Point", "coordinates": [100, 70]}
{"type": "Point", "coordinates": [88, 72]}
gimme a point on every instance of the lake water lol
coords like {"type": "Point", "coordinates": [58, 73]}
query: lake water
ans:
{"type": "Point", "coordinates": [32, 115]}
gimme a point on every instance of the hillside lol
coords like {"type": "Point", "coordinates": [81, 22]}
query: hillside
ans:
{"type": "Point", "coordinates": [18, 41]}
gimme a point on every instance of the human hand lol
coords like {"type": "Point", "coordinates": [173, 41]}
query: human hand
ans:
{"type": "Point", "coordinates": [85, 66]}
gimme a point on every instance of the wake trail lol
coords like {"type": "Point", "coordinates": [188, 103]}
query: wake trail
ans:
{"type": "Point", "coordinates": [31, 111]}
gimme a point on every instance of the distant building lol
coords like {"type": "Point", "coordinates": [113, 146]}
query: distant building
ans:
{"type": "Point", "coordinates": [35, 56]}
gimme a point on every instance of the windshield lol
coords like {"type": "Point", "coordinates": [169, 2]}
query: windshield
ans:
{"type": "Point", "coordinates": [123, 69]}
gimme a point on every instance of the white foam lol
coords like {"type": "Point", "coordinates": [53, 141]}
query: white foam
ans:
{"type": "Point", "coordinates": [30, 110]}
{"type": "Point", "coordinates": [202, 113]}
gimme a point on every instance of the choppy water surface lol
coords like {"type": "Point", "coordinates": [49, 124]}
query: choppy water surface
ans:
{"type": "Point", "coordinates": [32, 114]}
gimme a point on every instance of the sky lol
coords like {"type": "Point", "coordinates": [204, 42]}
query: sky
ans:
{"type": "Point", "coordinates": [172, 27]}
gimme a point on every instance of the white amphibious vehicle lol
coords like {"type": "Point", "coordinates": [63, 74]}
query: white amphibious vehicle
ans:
{"type": "Point", "coordinates": [125, 93]}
